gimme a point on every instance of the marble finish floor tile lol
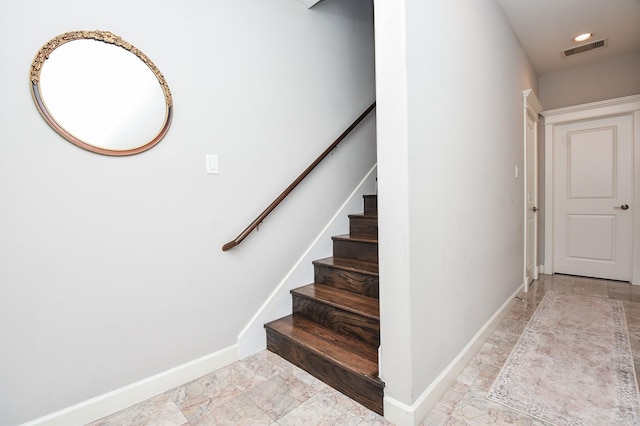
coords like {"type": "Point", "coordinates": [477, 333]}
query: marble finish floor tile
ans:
{"type": "Point", "coordinates": [267, 390]}
{"type": "Point", "coordinates": [263, 389]}
{"type": "Point", "coordinates": [471, 407]}
{"type": "Point", "coordinates": [156, 411]}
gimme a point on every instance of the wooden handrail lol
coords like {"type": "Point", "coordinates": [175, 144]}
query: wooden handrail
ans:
{"type": "Point", "coordinates": [231, 244]}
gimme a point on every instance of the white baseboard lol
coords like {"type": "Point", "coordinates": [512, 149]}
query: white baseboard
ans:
{"type": "Point", "coordinates": [405, 415]}
{"type": "Point", "coordinates": [119, 399]}
{"type": "Point", "coordinates": [251, 339]}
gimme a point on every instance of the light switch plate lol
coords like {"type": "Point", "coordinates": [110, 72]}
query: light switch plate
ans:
{"type": "Point", "coordinates": [212, 164]}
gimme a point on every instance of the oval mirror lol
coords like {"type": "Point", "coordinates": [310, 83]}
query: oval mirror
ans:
{"type": "Point", "coordinates": [101, 93]}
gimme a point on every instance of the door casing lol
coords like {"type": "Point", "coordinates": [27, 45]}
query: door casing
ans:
{"type": "Point", "coordinates": [532, 108]}
{"type": "Point", "coordinates": [619, 106]}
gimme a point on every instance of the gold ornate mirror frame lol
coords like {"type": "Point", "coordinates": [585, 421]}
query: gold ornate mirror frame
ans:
{"type": "Point", "coordinates": [105, 37]}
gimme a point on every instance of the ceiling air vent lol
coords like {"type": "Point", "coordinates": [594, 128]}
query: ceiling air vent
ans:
{"type": "Point", "coordinates": [584, 48]}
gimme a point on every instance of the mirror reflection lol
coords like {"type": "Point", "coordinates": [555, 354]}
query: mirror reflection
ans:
{"type": "Point", "coordinates": [101, 93]}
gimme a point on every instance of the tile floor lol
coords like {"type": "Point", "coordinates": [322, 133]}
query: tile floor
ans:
{"type": "Point", "coordinates": [266, 390]}
{"type": "Point", "coordinates": [465, 402]}
{"type": "Point", "coordinates": [260, 390]}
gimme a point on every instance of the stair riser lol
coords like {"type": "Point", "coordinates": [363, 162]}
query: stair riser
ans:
{"type": "Point", "coordinates": [356, 250]}
{"type": "Point", "coordinates": [355, 282]}
{"type": "Point", "coordinates": [361, 389]}
{"type": "Point", "coordinates": [334, 335]}
{"type": "Point", "coordinates": [371, 204]}
{"type": "Point", "coordinates": [364, 227]}
{"type": "Point", "coordinates": [348, 323]}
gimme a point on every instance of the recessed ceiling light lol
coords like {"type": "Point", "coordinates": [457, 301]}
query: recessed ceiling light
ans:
{"type": "Point", "coordinates": [583, 37]}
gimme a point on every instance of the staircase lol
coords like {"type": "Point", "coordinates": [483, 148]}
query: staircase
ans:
{"type": "Point", "coordinates": [334, 331]}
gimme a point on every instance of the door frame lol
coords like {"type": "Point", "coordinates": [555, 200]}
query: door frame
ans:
{"type": "Point", "coordinates": [532, 108]}
{"type": "Point", "coordinates": [629, 105]}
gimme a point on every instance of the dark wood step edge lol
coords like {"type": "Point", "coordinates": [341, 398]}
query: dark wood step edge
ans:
{"type": "Point", "coordinates": [375, 380]}
{"type": "Point", "coordinates": [325, 263]}
{"type": "Point", "coordinates": [337, 304]}
{"type": "Point", "coordinates": [367, 390]}
{"type": "Point", "coordinates": [347, 237]}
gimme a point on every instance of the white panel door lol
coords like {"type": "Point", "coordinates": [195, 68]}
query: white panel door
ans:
{"type": "Point", "coordinates": [531, 200]}
{"type": "Point", "coordinates": [593, 189]}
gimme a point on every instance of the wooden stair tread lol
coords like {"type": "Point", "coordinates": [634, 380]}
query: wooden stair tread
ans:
{"type": "Point", "coordinates": [347, 237]}
{"type": "Point", "coordinates": [334, 331]}
{"type": "Point", "coordinates": [350, 353]}
{"type": "Point", "coordinates": [353, 247]}
{"type": "Point", "coordinates": [355, 303]}
{"type": "Point", "coordinates": [346, 264]}
{"type": "Point", "coordinates": [363, 215]}
{"type": "Point", "coordinates": [370, 204]}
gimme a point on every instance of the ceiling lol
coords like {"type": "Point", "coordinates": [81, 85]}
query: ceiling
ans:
{"type": "Point", "coordinates": [546, 27]}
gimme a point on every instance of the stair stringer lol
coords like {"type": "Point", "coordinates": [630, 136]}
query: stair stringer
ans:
{"type": "Point", "coordinates": [251, 339]}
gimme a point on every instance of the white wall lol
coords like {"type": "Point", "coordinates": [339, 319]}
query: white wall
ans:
{"type": "Point", "coordinates": [451, 137]}
{"type": "Point", "coordinates": [111, 268]}
{"type": "Point", "coordinates": [613, 78]}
